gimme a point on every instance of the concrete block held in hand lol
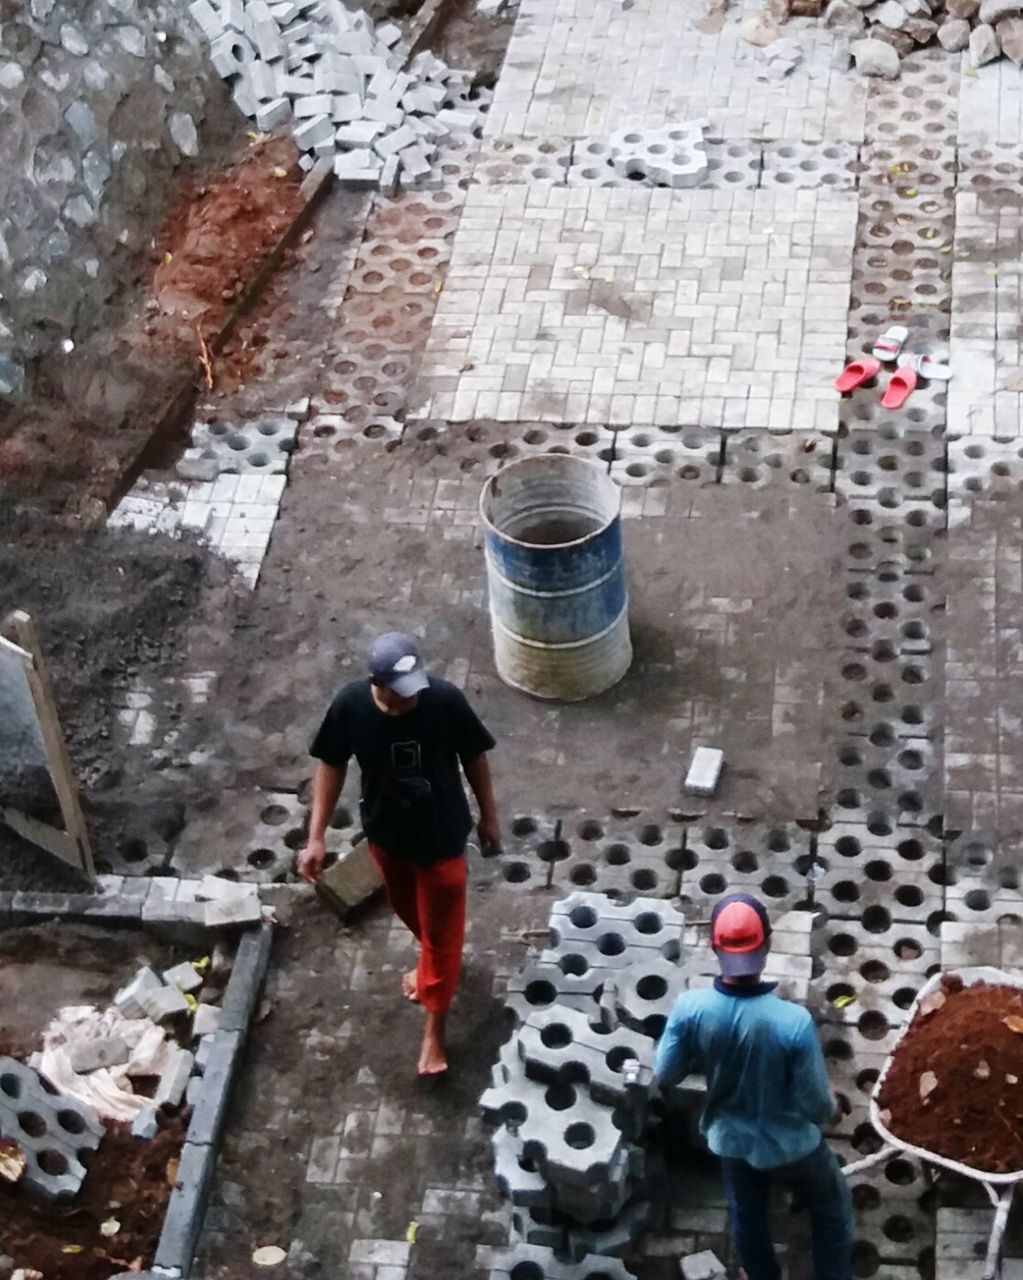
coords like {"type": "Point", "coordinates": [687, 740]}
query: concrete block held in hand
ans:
{"type": "Point", "coordinates": [354, 878]}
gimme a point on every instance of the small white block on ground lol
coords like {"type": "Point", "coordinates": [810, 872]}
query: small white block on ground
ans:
{"type": "Point", "coordinates": [704, 771]}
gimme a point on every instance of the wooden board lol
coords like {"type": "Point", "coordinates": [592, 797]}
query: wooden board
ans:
{"type": "Point", "coordinates": [71, 844]}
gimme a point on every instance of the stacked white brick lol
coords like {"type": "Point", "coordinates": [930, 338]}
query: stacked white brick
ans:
{"type": "Point", "coordinates": [336, 79]}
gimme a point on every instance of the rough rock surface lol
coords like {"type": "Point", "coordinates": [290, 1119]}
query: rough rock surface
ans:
{"type": "Point", "coordinates": [993, 11]}
{"type": "Point", "coordinates": [876, 58]}
{"type": "Point", "coordinates": [922, 30]}
{"type": "Point", "coordinates": [890, 14]}
{"type": "Point", "coordinates": [99, 101]}
{"type": "Point", "coordinates": [954, 34]}
{"type": "Point", "coordinates": [844, 16]}
{"type": "Point", "coordinates": [1010, 37]}
{"type": "Point", "coordinates": [984, 45]}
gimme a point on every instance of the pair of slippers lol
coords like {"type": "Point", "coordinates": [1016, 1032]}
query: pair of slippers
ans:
{"type": "Point", "coordinates": [898, 391]}
{"type": "Point", "coordinates": [911, 367]}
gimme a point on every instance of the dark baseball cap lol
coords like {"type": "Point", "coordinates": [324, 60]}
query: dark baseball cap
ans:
{"type": "Point", "coordinates": [740, 933]}
{"type": "Point", "coordinates": [394, 661]}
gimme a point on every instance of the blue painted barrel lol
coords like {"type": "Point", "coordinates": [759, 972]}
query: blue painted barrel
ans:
{"type": "Point", "coordinates": [559, 606]}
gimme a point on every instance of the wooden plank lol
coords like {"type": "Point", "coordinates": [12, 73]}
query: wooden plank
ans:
{"type": "Point", "coordinates": [59, 843]}
{"type": "Point", "coordinates": [56, 749]}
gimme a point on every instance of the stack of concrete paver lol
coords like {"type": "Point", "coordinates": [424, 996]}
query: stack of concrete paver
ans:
{"type": "Point", "coordinates": [577, 1146]}
{"type": "Point", "coordinates": [570, 1089]}
{"type": "Point", "coordinates": [336, 80]}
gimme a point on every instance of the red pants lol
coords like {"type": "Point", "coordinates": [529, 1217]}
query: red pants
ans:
{"type": "Point", "coordinates": [431, 902]}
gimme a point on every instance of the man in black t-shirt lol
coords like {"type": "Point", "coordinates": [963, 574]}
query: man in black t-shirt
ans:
{"type": "Point", "coordinates": [409, 734]}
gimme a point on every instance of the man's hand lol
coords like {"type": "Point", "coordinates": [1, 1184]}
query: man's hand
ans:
{"type": "Point", "coordinates": [310, 860]}
{"type": "Point", "coordinates": [489, 832]}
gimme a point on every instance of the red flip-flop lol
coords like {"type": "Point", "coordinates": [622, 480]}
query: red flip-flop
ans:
{"type": "Point", "coordinates": [899, 388]}
{"type": "Point", "coordinates": [856, 374]}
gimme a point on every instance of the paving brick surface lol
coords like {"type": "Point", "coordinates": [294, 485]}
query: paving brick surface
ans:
{"type": "Point", "coordinates": [583, 67]}
{"type": "Point", "coordinates": [722, 308]}
{"type": "Point", "coordinates": [984, 397]}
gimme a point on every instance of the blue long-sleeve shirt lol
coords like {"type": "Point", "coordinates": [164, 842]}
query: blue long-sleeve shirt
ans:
{"type": "Point", "coordinates": [767, 1085]}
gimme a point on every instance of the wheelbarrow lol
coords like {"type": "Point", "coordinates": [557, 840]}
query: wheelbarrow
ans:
{"type": "Point", "coordinates": [1000, 1187]}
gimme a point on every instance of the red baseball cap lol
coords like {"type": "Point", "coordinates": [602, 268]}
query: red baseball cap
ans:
{"type": "Point", "coordinates": [740, 933]}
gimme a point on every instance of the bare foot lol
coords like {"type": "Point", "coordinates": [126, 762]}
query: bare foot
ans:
{"type": "Point", "coordinates": [409, 985]}
{"type": "Point", "coordinates": [433, 1059]}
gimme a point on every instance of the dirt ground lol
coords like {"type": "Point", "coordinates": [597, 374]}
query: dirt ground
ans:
{"type": "Point", "coordinates": [45, 967]}
{"type": "Point", "coordinates": [129, 1181]}
{"type": "Point", "coordinates": [112, 610]}
{"type": "Point", "coordinates": [956, 1083]}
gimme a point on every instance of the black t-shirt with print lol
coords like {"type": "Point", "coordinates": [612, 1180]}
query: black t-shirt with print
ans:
{"type": "Point", "coordinates": [413, 802]}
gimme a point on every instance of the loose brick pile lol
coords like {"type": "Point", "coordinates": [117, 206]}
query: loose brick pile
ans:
{"type": "Point", "coordinates": [336, 80]}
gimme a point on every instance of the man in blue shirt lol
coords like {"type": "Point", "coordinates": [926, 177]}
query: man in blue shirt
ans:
{"type": "Point", "coordinates": [767, 1095]}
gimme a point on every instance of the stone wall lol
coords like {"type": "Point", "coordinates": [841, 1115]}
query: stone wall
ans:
{"type": "Point", "coordinates": [100, 102]}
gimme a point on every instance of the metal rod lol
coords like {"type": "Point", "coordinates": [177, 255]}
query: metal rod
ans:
{"type": "Point", "coordinates": [869, 1161]}
{"type": "Point", "coordinates": [550, 865]}
{"type": "Point", "coordinates": [994, 1244]}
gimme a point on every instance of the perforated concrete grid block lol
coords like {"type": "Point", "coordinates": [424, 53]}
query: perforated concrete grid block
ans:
{"type": "Point", "coordinates": [896, 613]}
{"type": "Point", "coordinates": [884, 712]}
{"type": "Point", "coordinates": [909, 175]}
{"type": "Point", "coordinates": [657, 926]}
{"type": "Point", "coordinates": [902, 947]}
{"type": "Point", "coordinates": [672, 156]}
{"type": "Point", "coordinates": [621, 855]}
{"type": "Point", "coordinates": [890, 766]}
{"type": "Point", "coordinates": [771, 860]}
{"type": "Point", "coordinates": [515, 1175]}
{"type": "Point", "coordinates": [801, 164]}
{"type": "Point", "coordinates": [879, 541]}
{"type": "Point", "coordinates": [738, 165]}
{"type": "Point", "coordinates": [544, 983]}
{"type": "Point", "coordinates": [532, 1262]}
{"type": "Point", "coordinates": [982, 467]}
{"type": "Point", "coordinates": [495, 444]}
{"type": "Point", "coordinates": [755, 459]}
{"type": "Point", "coordinates": [906, 895]}
{"type": "Point", "coordinates": [844, 995]}
{"type": "Point", "coordinates": [614, 1241]}
{"type": "Point", "coordinates": [891, 466]}
{"type": "Point", "coordinates": [279, 832]}
{"type": "Point", "coordinates": [879, 857]}
{"type": "Point", "coordinates": [645, 993]}
{"type": "Point", "coordinates": [504, 160]}
{"type": "Point", "coordinates": [592, 165]}
{"type": "Point", "coordinates": [919, 110]}
{"type": "Point", "coordinates": [994, 171]}
{"type": "Point", "coordinates": [56, 1134]}
{"type": "Point", "coordinates": [975, 856]}
{"type": "Point", "coordinates": [260, 446]}
{"type": "Point", "coordinates": [648, 455]}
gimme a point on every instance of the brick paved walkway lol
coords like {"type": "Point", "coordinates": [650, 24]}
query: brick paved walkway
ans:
{"type": "Point", "coordinates": [826, 589]}
{"type": "Point", "coordinates": [581, 68]}
{"type": "Point", "coordinates": [716, 308]}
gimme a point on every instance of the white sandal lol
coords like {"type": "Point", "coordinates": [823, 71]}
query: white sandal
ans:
{"type": "Point", "coordinates": [926, 366]}
{"type": "Point", "coordinates": [890, 343]}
